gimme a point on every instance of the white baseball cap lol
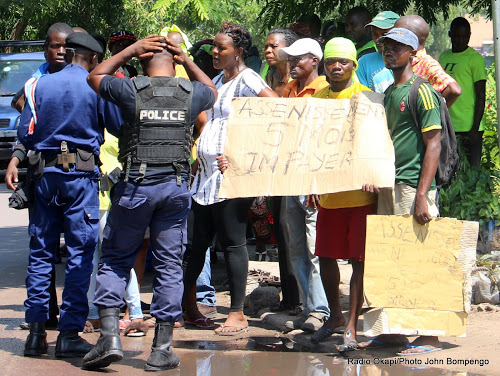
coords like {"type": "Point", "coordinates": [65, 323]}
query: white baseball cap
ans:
{"type": "Point", "coordinates": [301, 47]}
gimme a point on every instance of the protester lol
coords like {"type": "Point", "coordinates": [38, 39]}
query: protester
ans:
{"type": "Point", "coordinates": [66, 130]}
{"type": "Point", "coordinates": [468, 68]}
{"type": "Point", "coordinates": [372, 71]}
{"type": "Point", "coordinates": [279, 73]}
{"type": "Point", "coordinates": [341, 226]}
{"type": "Point", "coordinates": [227, 218]}
{"type": "Point", "coordinates": [277, 78]}
{"type": "Point", "coordinates": [314, 22]}
{"type": "Point", "coordinates": [118, 41]}
{"type": "Point", "coordinates": [417, 154]}
{"type": "Point", "coordinates": [356, 20]}
{"type": "Point", "coordinates": [298, 222]}
{"type": "Point", "coordinates": [425, 65]}
{"type": "Point", "coordinates": [155, 181]}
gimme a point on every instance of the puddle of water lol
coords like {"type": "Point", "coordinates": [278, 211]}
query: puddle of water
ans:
{"type": "Point", "coordinates": [212, 363]}
{"type": "Point", "coordinates": [280, 356]}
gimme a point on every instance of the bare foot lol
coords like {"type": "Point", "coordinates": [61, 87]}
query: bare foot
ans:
{"type": "Point", "coordinates": [96, 323]}
{"type": "Point", "coordinates": [236, 322]}
{"type": "Point", "coordinates": [334, 322]}
{"type": "Point", "coordinates": [385, 340]}
{"type": "Point", "coordinates": [423, 344]}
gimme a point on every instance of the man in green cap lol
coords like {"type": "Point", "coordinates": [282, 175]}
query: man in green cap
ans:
{"type": "Point", "coordinates": [372, 71]}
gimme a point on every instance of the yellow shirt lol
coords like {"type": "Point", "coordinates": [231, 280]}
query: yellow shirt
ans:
{"type": "Point", "coordinates": [349, 199]}
{"type": "Point", "coordinates": [109, 160]}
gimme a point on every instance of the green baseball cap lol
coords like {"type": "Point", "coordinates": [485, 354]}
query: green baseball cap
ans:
{"type": "Point", "coordinates": [384, 20]}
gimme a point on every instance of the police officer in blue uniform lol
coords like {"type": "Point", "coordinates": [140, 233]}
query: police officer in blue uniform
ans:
{"type": "Point", "coordinates": [155, 143]}
{"type": "Point", "coordinates": [64, 125]}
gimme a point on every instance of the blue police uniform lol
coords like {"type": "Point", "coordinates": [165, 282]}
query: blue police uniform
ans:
{"type": "Point", "coordinates": [66, 199]}
{"type": "Point", "coordinates": [160, 199]}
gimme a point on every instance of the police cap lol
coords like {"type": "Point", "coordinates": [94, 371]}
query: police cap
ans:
{"type": "Point", "coordinates": [83, 40]}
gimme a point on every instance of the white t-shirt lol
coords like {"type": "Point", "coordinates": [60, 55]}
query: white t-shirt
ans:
{"type": "Point", "coordinates": [208, 178]}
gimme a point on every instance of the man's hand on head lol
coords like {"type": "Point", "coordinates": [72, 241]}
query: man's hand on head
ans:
{"type": "Point", "coordinates": [176, 50]}
{"type": "Point", "coordinates": [146, 47]}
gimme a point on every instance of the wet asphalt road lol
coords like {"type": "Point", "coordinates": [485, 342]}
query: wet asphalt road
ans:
{"type": "Point", "coordinates": [263, 353]}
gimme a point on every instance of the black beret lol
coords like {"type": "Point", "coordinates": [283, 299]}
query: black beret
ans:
{"type": "Point", "coordinates": [83, 40]}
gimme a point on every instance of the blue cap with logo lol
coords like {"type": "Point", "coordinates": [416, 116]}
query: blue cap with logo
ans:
{"type": "Point", "coordinates": [401, 35]}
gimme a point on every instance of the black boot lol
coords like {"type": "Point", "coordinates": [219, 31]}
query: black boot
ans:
{"type": "Point", "coordinates": [36, 343]}
{"type": "Point", "coordinates": [108, 348]}
{"type": "Point", "coordinates": [71, 345]}
{"type": "Point", "coordinates": [162, 357]}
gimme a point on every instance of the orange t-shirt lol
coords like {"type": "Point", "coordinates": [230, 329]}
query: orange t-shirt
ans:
{"type": "Point", "coordinates": [290, 90]}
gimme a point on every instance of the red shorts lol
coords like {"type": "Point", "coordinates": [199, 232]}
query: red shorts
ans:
{"type": "Point", "coordinates": [341, 233]}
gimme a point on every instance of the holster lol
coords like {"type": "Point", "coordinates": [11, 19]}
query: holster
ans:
{"type": "Point", "coordinates": [37, 164]}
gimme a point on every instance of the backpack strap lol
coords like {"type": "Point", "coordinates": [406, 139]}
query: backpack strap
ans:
{"type": "Point", "coordinates": [412, 99]}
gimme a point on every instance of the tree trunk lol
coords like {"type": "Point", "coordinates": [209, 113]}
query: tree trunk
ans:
{"type": "Point", "coordinates": [16, 32]}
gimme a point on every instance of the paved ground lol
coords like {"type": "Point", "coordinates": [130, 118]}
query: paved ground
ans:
{"type": "Point", "coordinates": [264, 350]}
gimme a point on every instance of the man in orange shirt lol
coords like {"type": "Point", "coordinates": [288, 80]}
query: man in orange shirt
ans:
{"type": "Point", "coordinates": [303, 58]}
{"type": "Point", "coordinates": [298, 221]}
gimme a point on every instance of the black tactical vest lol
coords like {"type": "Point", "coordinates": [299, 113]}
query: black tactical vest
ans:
{"type": "Point", "coordinates": [161, 134]}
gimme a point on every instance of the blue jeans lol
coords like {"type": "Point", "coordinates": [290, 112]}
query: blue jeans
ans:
{"type": "Point", "coordinates": [205, 292]}
{"type": "Point", "coordinates": [299, 230]}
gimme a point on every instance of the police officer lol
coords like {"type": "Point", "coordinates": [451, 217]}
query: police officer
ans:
{"type": "Point", "coordinates": [55, 53]}
{"type": "Point", "coordinates": [64, 126]}
{"type": "Point", "coordinates": [159, 111]}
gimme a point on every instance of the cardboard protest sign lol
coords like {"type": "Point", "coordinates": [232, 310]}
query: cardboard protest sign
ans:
{"type": "Point", "coordinates": [419, 276]}
{"type": "Point", "coordinates": [283, 147]}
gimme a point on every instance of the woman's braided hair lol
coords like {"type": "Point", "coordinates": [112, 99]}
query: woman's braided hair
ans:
{"type": "Point", "coordinates": [240, 35]}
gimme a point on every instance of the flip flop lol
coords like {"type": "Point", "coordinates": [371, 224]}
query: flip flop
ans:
{"type": "Point", "coordinates": [347, 346]}
{"type": "Point", "coordinates": [427, 350]}
{"type": "Point", "coordinates": [123, 324]}
{"type": "Point", "coordinates": [241, 329]}
{"type": "Point", "coordinates": [201, 323]}
{"type": "Point", "coordinates": [322, 334]}
{"type": "Point", "coordinates": [140, 329]}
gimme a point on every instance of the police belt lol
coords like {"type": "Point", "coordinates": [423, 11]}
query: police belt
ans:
{"type": "Point", "coordinates": [83, 160]}
{"type": "Point", "coordinates": [143, 166]}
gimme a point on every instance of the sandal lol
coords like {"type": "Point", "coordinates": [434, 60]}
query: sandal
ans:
{"type": "Point", "coordinates": [123, 324]}
{"type": "Point", "coordinates": [349, 344]}
{"type": "Point", "coordinates": [201, 323]}
{"type": "Point", "coordinates": [136, 329]}
{"type": "Point", "coordinates": [239, 329]}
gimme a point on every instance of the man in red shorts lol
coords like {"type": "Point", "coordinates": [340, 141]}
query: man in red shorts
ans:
{"type": "Point", "coordinates": [341, 223]}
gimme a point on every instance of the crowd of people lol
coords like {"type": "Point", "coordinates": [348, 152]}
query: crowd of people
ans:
{"type": "Point", "coordinates": [112, 165]}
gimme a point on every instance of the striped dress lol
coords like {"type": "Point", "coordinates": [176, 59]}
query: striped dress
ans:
{"type": "Point", "coordinates": [208, 178]}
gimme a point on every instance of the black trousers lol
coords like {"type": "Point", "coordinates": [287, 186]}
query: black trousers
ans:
{"type": "Point", "coordinates": [228, 219]}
